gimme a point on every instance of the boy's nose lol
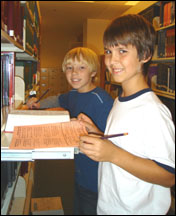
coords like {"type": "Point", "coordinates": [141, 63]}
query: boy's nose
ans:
{"type": "Point", "coordinates": [74, 70]}
{"type": "Point", "coordinates": [114, 58]}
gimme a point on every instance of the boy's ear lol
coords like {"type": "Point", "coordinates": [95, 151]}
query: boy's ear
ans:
{"type": "Point", "coordinates": [93, 73]}
{"type": "Point", "coordinates": [146, 59]}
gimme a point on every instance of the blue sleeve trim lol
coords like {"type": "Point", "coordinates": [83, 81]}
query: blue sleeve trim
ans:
{"type": "Point", "coordinates": [166, 167]}
{"type": "Point", "coordinates": [101, 101]}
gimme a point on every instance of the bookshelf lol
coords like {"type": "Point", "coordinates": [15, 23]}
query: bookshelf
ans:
{"type": "Point", "coordinates": [20, 41]}
{"type": "Point", "coordinates": [164, 55]}
{"type": "Point", "coordinates": [163, 19]}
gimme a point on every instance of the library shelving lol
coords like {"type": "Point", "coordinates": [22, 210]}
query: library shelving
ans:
{"type": "Point", "coordinates": [20, 41]}
{"type": "Point", "coordinates": [161, 72]}
{"type": "Point", "coordinates": [161, 75]}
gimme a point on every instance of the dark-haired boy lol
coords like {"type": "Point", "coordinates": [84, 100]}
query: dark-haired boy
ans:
{"type": "Point", "coordinates": [135, 171]}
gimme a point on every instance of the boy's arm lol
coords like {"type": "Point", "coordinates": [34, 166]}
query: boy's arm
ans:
{"type": "Point", "coordinates": [145, 169]}
{"type": "Point", "coordinates": [49, 102]}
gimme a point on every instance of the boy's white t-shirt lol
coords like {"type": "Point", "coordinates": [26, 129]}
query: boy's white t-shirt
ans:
{"type": "Point", "coordinates": [151, 135]}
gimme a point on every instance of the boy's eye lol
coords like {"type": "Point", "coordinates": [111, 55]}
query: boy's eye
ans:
{"type": "Point", "coordinates": [68, 67]}
{"type": "Point", "coordinates": [122, 51]}
{"type": "Point", "coordinates": [106, 51]}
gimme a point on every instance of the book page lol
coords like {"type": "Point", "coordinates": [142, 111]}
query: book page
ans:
{"type": "Point", "coordinates": [34, 117]}
{"type": "Point", "coordinates": [63, 134]}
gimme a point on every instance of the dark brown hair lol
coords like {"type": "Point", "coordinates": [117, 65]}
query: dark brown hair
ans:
{"type": "Point", "coordinates": [135, 30]}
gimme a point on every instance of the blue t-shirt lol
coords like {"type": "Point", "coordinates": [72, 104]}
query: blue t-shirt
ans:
{"type": "Point", "coordinates": [96, 104]}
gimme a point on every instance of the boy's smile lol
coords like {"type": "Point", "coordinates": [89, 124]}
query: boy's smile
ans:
{"type": "Point", "coordinates": [117, 71]}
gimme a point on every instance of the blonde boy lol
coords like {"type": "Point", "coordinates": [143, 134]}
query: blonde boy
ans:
{"type": "Point", "coordinates": [80, 66]}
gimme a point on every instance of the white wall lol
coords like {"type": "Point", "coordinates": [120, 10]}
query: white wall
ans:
{"type": "Point", "coordinates": [93, 31]}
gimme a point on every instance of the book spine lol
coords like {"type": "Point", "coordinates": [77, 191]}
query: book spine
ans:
{"type": "Point", "coordinates": [11, 18]}
{"type": "Point", "coordinates": [172, 79]}
{"type": "Point", "coordinates": [5, 80]}
{"type": "Point", "coordinates": [165, 14]}
{"type": "Point", "coordinates": [4, 181]}
{"type": "Point", "coordinates": [173, 42]}
{"type": "Point", "coordinates": [5, 16]}
{"type": "Point", "coordinates": [161, 43]}
{"type": "Point", "coordinates": [11, 78]}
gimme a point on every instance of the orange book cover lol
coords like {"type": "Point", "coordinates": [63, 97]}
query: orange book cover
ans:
{"type": "Point", "coordinates": [165, 14]}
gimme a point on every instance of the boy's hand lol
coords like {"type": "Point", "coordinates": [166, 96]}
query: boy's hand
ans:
{"type": "Point", "coordinates": [32, 103]}
{"type": "Point", "coordinates": [96, 148]}
{"type": "Point", "coordinates": [88, 123]}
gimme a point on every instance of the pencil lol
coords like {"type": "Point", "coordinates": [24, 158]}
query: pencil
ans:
{"type": "Point", "coordinates": [108, 136]}
{"type": "Point", "coordinates": [42, 95]}
{"type": "Point", "coordinates": [113, 135]}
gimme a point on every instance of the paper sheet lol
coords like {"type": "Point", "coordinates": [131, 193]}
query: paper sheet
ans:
{"type": "Point", "coordinates": [63, 134]}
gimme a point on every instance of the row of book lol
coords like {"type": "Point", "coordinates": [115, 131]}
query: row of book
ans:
{"type": "Point", "coordinates": [167, 13]}
{"type": "Point", "coordinates": [9, 173]}
{"type": "Point", "coordinates": [166, 43]}
{"type": "Point", "coordinates": [161, 76]}
{"type": "Point", "coordinates": [12, 13]}
{"type": "Point", "coordinates": [164, 10]}
{"type": "Point", "coordinates": [21, 23]}
{"type": "Point", "coordinates": [10, 68]}
{"type": "Point", "coordinates": [8, 176]}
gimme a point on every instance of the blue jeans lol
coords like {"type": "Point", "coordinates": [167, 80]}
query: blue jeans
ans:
{"type": "Point", "coordinates": [85, 201]}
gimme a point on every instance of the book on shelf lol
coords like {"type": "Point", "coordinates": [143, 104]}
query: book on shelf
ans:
{"type": "Point", "coordinates": [8, 79]}
{"type": "Point", "coordinates": [161, 43]}
{"type": "Point", "coordinates": [166, 42]}
{"type": "Point", "coordinates": [12, 14]}
{"type": "Point", "coordinates": [8, 176]}
{"type": "Point", "coordinates": [170, 43]}
{"type": "Point", "coordinates": [4, 181]}
{"type": "Point", "coordinates": [161, 76]}
{"type": "Point", "coordinates": [151, 12]}
{"type": "Point", "coordinates": [20, 24]}
{"type": "Point", "coordinates": [167, 13]}
{"type": "Point", "coordinates": [152, 75]}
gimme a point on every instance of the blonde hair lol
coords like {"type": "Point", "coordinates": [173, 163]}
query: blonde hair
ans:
{"type": "Point", "coordinates": [82, 53]}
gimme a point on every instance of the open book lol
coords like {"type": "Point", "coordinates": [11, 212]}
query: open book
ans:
{"type": "Point", "coordinates": [34, 117]}
{"type": "Point", "coordinates": [40, 134]}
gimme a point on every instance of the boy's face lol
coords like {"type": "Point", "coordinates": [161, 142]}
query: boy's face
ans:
{"type": "Point", "coordinates": [123, 63]}
{"type": "Point", "coordinates": [79, 75]}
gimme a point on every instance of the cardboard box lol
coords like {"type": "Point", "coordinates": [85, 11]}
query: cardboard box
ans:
{"type": "Point", "coordinates": [47, 206]}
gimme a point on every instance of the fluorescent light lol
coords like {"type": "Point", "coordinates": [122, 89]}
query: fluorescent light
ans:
{"type": "Point", "coordinates": [84, 1]}
{"type": "Point", "coordinates": [131, 3]}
